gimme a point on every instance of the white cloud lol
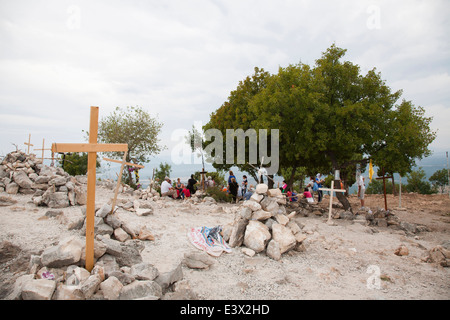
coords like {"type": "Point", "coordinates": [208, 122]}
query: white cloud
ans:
{"type": "Point", "coordinates": [181, 59]}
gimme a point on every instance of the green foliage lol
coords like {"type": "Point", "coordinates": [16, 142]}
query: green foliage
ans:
{"type": "Point", "coordinates": [235, 114]}
{"type": "Point", "coordinates": [76, 163]}
{"type": "Point", "coordinates": [218, 177]}
{"type": "Point", "coordinates": [217, 194]}
{"type": "Point", "coordinates": [376, 187]}
{"type": "Point", "coordinates": [163, 171]}
{"type": "Point", "coordinates": [135, 127]}
{"type": "Point", "coordinates": [294, 179]}
{"type": "Point", "coordinates": [330, 116]}
{"type": "Point", "coordinates": [417, 183]}
{"type": "Point", "coordinates": [439, 179]}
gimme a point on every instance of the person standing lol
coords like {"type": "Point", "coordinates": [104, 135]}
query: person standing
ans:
{"type": "Point", "coordinates": [361, 190]}
{"type": "Point", "coordinates": [233, 187]}
{"type": "Point", "coordinates": [319, 181]}
{"type": "Point", "coordinates": [231, 177]}
{"type": "Point", "coordinates": [191, 184]}
{"type": "Point", "coordinates": [244, 185]}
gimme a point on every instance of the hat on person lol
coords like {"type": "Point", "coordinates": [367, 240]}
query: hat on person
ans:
{"type": "Point", "coordinates": [166, 178]}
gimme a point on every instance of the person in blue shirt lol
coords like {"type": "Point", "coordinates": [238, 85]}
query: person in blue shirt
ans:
{"type": "Point", "coordinates": [318, 183]}
{"type": "Point", "coordinates": [231, 176]}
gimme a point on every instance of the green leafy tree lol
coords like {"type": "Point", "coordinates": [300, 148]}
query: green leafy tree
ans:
{"type": "Point", "coordinates": [331, 117]}
{"type": "Point", "coordinates": [163, 171]}
{"type": "Point", "coordinates": [76, 163]}
{"type": "Point", "coordinates": [439, 179]}
{"type": "Point", "coordinates": [137, 128]}
{"type": "Point", "coordinates": [376, 187]}
{"type": "Point", "coordinates": [235, 114]}
{"type": "Point", "coordinates": [417, 183]}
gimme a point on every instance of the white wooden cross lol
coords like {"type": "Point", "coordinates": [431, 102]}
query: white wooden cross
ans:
{"type": "Point", "coordinates": [120, 175]}
{"type": "Point", "coordinates": [91, 148]}
{"type": "Point", "coordinates": [331, 199]}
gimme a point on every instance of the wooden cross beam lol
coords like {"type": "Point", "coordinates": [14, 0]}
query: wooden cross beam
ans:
{"type": "Point", "coordinates": [331, 198]}
{"type": "Point", "coordinates": [384, 177]}
{"type": "Point", "coordinates": [29, 143]}
{"type": "Point", "coordinates": [91, 148]}
{"type": "Point", "coordinates": [203, 178]}
{"type": "Point", "coordinates": [43, 149]}
{"type": "Point", "coordinates": [119, 179]}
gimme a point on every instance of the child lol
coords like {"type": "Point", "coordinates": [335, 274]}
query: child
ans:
{"type": "Point", "coordinates": [308, 195]}
{"type": "Point", "coordinates": [185, 192]}
{"type": "Point", "coordinates": [284, 187]}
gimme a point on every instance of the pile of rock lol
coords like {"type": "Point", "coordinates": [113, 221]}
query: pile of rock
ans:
{"type": "Point", "coordinates": [374, 218]}
{"type": "Point", "coordinates": [262, 224]}
{"type": "Point", "coordinates": [110, 225]}
{"type": "Point", "coordinates": [50, 186]}
{"type": "Point", "coordinates": [119, 273]}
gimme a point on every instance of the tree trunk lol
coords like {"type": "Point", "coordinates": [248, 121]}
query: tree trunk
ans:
{"type": "Point", "coordinates": [270, 181]}
{"type": "Point", "coordinates": [290, 182]}
{"type": "Point", "coordinates": [341, 197]}
{"type": "Point", "coordinates": [394, 193]}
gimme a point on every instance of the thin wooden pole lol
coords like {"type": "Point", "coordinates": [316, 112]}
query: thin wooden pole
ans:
{"type": "Point", "coordinates": [119, 180]}
{"type": "Point", "coordinates": [90, 207]}
{"type": "Point", "coordinates": [331, 202]}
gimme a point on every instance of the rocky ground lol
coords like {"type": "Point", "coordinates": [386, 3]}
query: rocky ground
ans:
{"type": "Point", "coordinates": [280, 251]}
{"type": "Point", "coordinates": [347, 260]}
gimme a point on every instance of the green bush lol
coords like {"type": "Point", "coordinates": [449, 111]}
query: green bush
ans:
{"type": "Point", "coordinates": [217, 194]}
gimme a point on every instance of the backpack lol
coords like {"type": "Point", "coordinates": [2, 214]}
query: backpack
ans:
{"type": "Point", "coordinates": [315, 186]}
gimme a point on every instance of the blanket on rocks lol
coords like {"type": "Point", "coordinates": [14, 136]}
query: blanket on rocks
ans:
{"type": "Point", "coordinates": [209, 240]}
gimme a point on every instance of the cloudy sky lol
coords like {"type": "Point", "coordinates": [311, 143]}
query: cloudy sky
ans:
{"type": "Point", "coordinates": [179, 60]}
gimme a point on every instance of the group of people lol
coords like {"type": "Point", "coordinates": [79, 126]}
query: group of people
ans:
{"type": "Point", "coordinates": [245, 191]}
{"type": "Point", "coordinates": [235, 189]}
{"type": "Point", "coordinates": [179, 190]}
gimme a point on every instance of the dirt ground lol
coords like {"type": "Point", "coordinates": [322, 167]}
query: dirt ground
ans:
{"type": "Point", "coordinates": [344, 261]}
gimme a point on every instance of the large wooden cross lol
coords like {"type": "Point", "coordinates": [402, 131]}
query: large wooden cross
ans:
{"type": "Point", "coordinates": [384, 177]}
{"type": "Point", "coordinates": [331, 198]}
{"type": "Point", "coordinates": [29, 143]}
{"type": "Point", "coordinates": [91, 148]}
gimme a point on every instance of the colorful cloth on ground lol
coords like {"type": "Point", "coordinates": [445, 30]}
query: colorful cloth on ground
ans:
{"type": "Point", "coordinates": [209, 240]}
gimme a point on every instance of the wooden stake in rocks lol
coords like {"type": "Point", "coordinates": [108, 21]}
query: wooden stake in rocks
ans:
{"type": "Point", "coordinates": [29, 143]}
{"type": "Point", "coordinates": [91, 148]}
{"type": "Point", "coordinates": [384, 177]}
{"type": "Point", "coordinates": [120, 175]}
{"type": "Point", "coordinates": [43, 149]}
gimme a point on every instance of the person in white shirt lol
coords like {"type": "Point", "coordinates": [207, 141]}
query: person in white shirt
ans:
{"type": "Point", "coordinates": [361, 190]}
{"type": "Point", "coordinates": [167, 190]}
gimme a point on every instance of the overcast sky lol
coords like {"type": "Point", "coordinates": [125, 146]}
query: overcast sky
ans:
{"type": "Point", "coordinates": [179, 60]}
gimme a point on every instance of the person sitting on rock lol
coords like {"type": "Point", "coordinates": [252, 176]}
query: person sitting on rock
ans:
{"type": "Point", "coordinates": [167, 189]}
{"type": "Point", "coordinates": [307, 194]}
{"type": "Point", "coordinates": [185, 193]}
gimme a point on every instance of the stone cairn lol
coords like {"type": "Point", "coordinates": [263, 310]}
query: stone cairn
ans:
{"type": "Point", "coordinates": [262, 224]}
{"type": "Point", "coordinates": [119, 271]}
{"type": "Point", "coordinates": [50, 186]}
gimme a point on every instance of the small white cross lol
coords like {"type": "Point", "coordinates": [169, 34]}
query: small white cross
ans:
{"type": "Point", "coordinates": [331, 198]}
